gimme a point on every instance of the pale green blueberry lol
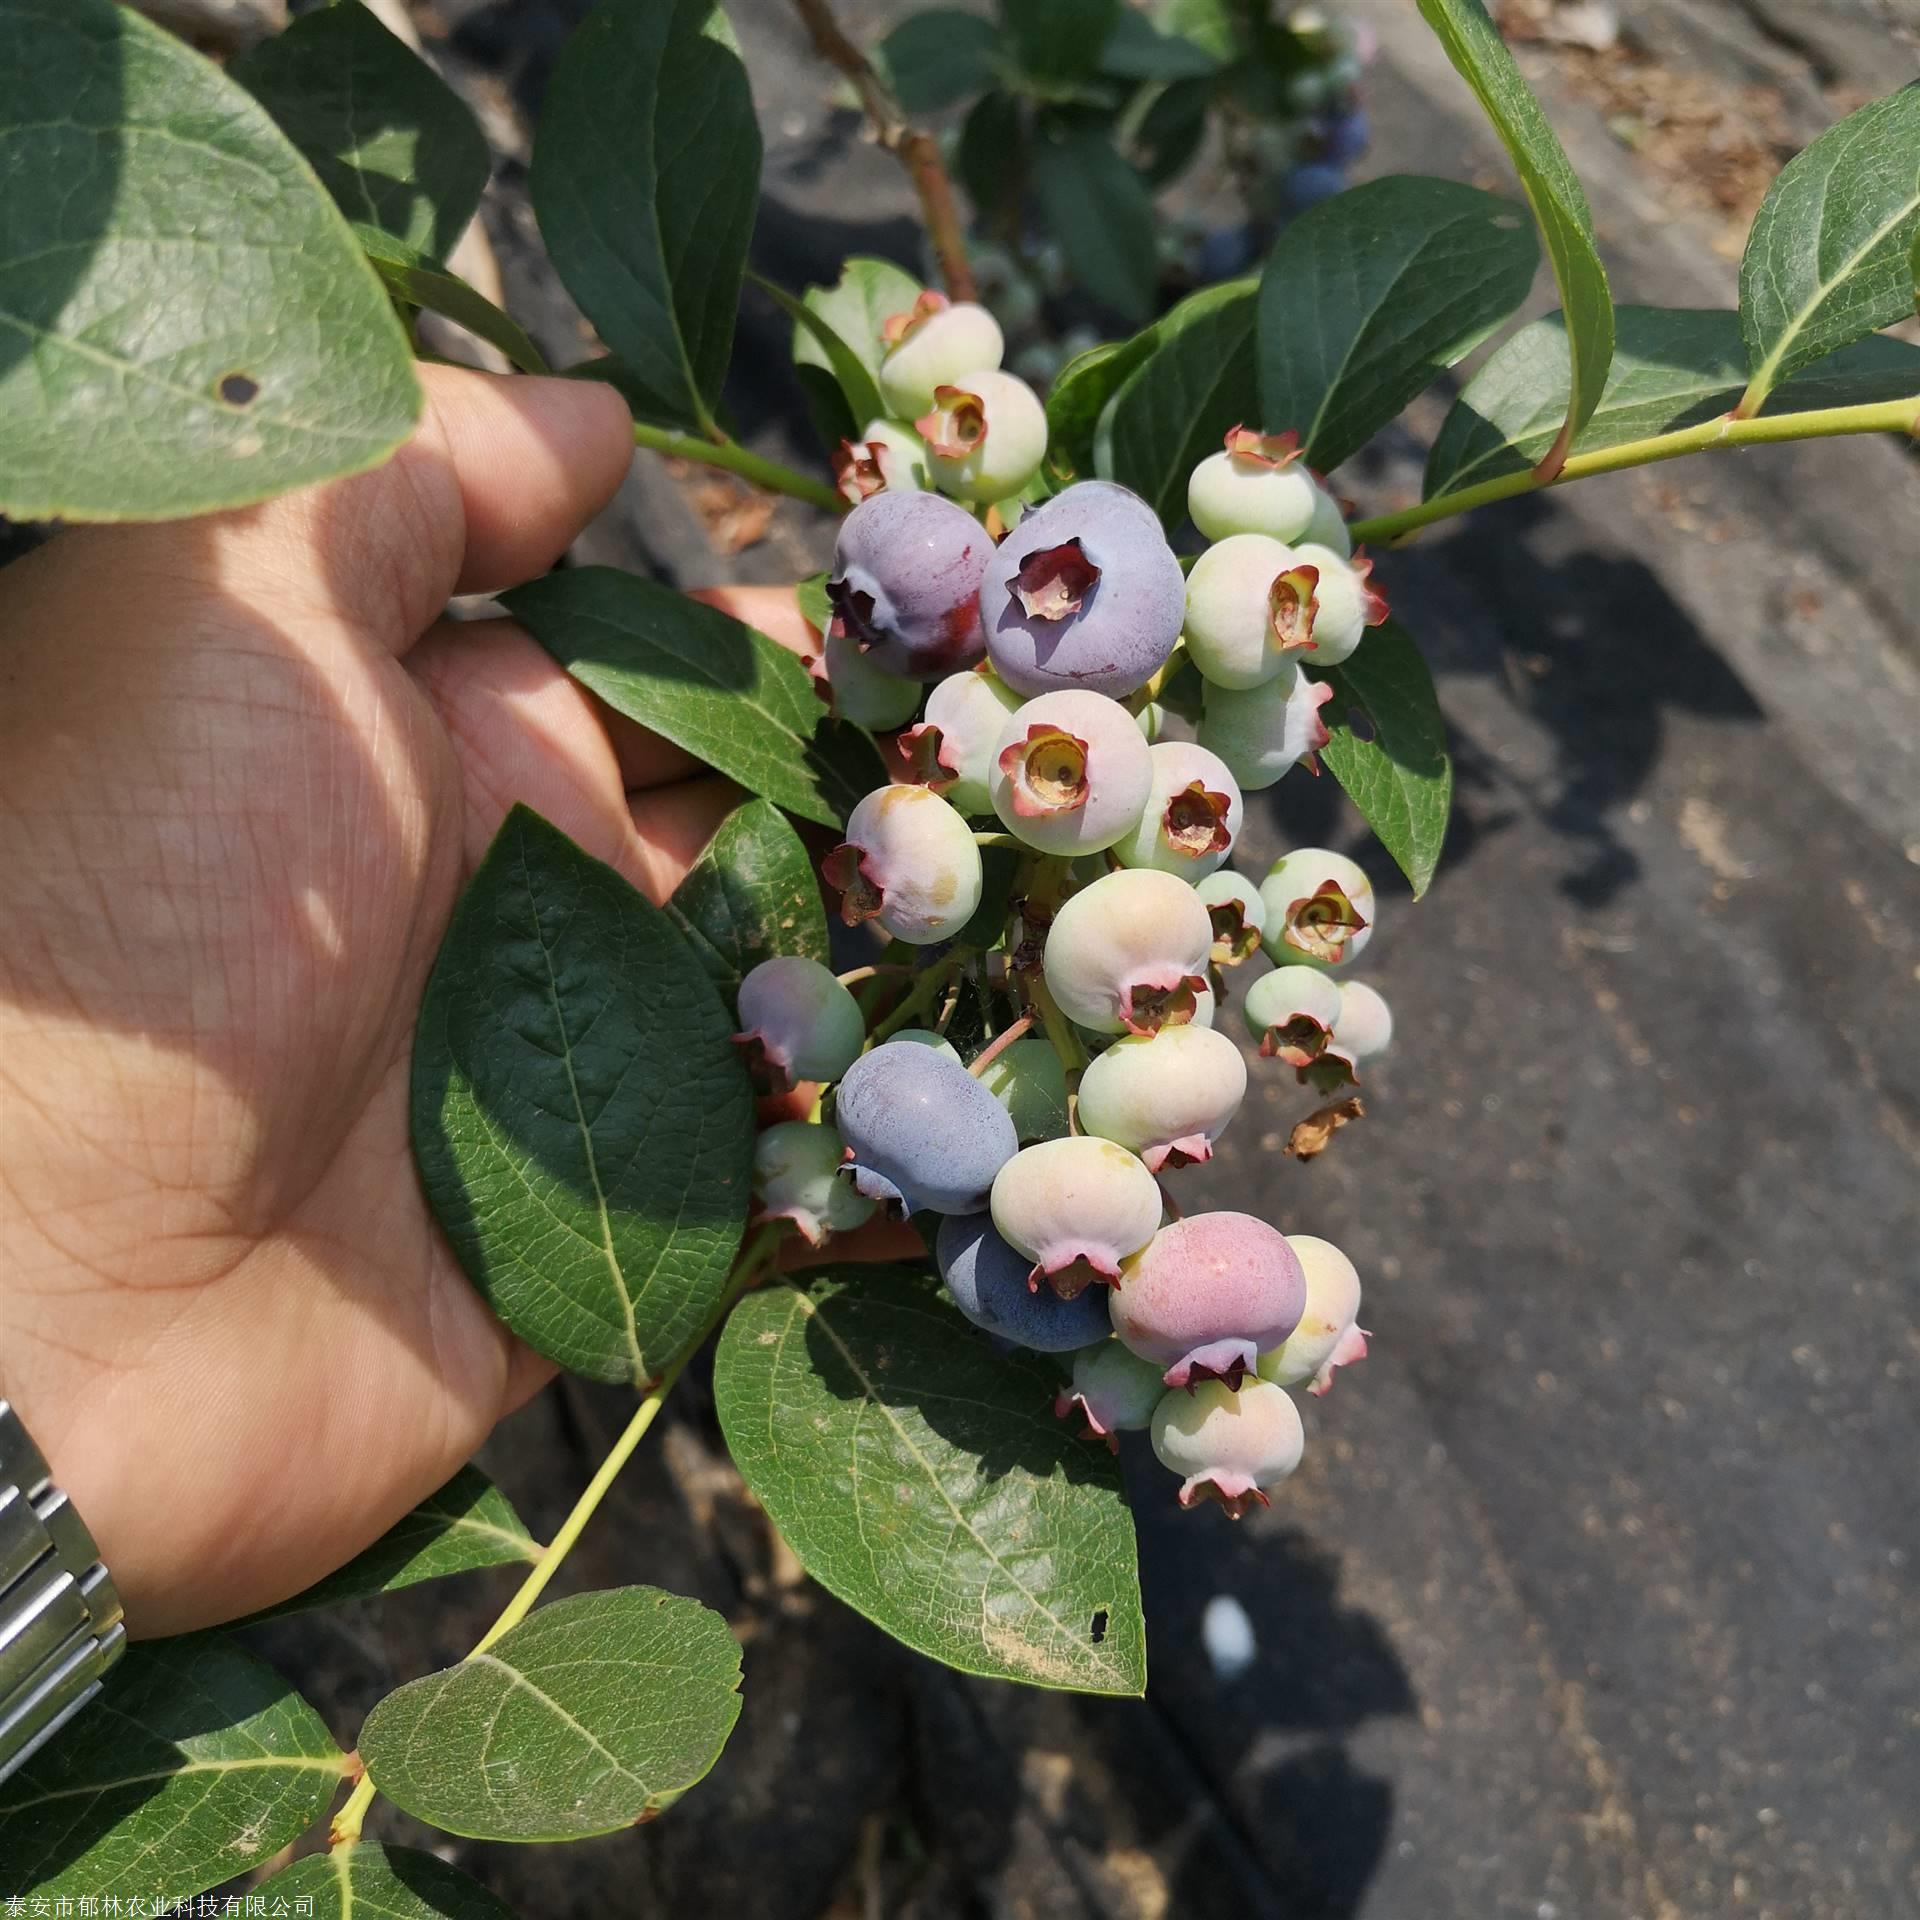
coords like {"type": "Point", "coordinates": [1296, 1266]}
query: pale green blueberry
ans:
{"type": "Point", "coordinates": [1228, 1446]}
{"type": "Point", "coordinates": [1113, 1390]}
{"type": "Point", "coordinates": [953, 748]}
{"type": "Point", "coordinates": [1152, 721]}
{"type": "Point", "coordinates": [1071, 772]}
{"type": "Point", "coordinates": [1320, 909]}
{"type": "Point", "coordinates": [1128, 954]}
{"type": "Point", "coordinates": [1345, 605]}
{"type": "Point", "coordinates": [1191, 817]}
{"type": "Point", "coordinates": [1029, 1080]}
{"type": "Point", "coordinates": [1166, 1097]}
{"type": "Point", "coordinates": [862, 691]}
{"type": "Point", "coordinates": [1260, 732]}
{"type": "Point", "coordinates": [942, 343]}
{"type": "Point", "coordinates": [797, 1022]}
{"type": "Point", "coordinates": [1291, 1012]}
{"type": "Point", "coordinates": [796, 1176]}
{"type": "Point", "coordinates": [1329, 1334]}
{"type": "Point", "coordinates": [986, 434]}
{"type": "Point", "coordinates": [1233, 904]}
{"type": "Point", "coordinates": [1076, 1208]}
{"type": "Point", "coordinates": [926, 1037]}
{"type": "Point", "coordinates": [1250, 605]}
{"type": "Point", "coordinates": [1203, 1006]}
{"type": "Point", "coordinates": [1328, 528]}
{"type": "Point", "coordinates": [1256, 484]}
{"type": "Point", "coordinates": [1364, 1026]}
{"type": "Point", "coordinates": [886, 456]}
{"type": "Point", "coordinates": [909, 861]}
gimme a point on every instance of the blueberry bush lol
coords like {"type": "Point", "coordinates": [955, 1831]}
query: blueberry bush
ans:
{"type": "Point", "coordinates": [1057, 646]}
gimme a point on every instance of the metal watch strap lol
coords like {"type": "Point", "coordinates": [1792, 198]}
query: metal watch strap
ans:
{"type": "Point", "coordinates": [60, 1617]}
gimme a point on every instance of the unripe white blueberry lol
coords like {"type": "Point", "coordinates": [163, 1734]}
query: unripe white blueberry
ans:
{"type": "Point", "coordinates": [1113, 1390]}
{"type": "Point", "coordinates": [1364, 1026]}
{"type": "Point", "coordinates": [1128, 954]}
{"type": "Point", "coordinates": [1250, 609]}
{"type": "Point", "coordinates": [859, 689]}
{"type": "Point", "coordinates": [1071, 772]}
{"type": "Point", "coordinates": [796, 1167]}
{"type": "Point", "coordinates": [1320, 909]}
{"type": "Point", "coordinates": [1191, 817]}
{"type": "Point", "coordinates": [1257, 484]}
{"type": "Point", "coordinates": [1203, 1006]}
{"type": "Point", "coordinates": [797, 1022]}
{"type": "Point", "coordinates": [952, 750]}
{"type": "Point", "coordinates": [1228, 1446]}
{"type": "Point", "coordinates": [1291, 1012]}
{"type": "Point", "coordinates": [986, 434]}
{"type": "Point", "coordinates": [910, 862]}
{"type": "Point", "coordinates": [1076, 1208]}
{"type": "Point", "coordinates": [1260, 732]}
{"type": "Point", "coordinates": [1329, 525]}
{"type": "Point", "coordinates": [1329, 1334]}
{"type": "Point", "coordinates": [887, 457]}
{"type": "Point", "coordinates": [935, 345]}
{"type": "Point", "coordinates": [1346, 604]}
{"type": "Point", "coordinates": [926, 1037]}
{"type": "Point", "coordinates": [1167, 1096]}
{"type": "Point", "coordinates": [1029, 1080]}
{"type": "Point", "coordinates": [1233, 905]}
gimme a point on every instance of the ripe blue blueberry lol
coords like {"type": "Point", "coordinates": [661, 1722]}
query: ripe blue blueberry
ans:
{"type": "Point", "coordinates": [905, 585]}
{"type": "Point", "coordinates": [1166, 1098]}
{"type": "Point", "coordinates": [1320, 909]}
{"type": "Point", "coordinates": [1191, 817]}
{"type": "Point", "coordinates": [989, 1283]}
{"type": "Point", "coordinates": [797, 1022]}
{"type": "Point", "coordinates": [1329, 1334]}
{"type": "Point", "coordinates": [1260, 732]}
{"type": "Point", "coordinates": [1071, 772]}
{"type": "Point", "coordinates": [1076, 1208]}
{"type": "Point", "coordinates": [796, 1168]}
{"type": "Point", "coordinates": [921, 1131]}
{"type": "Point", "coordinates": [909, 861]}
{"type": "Point", "coordinates": [1228, 1446]}
{"type": "Point", "coordinates": [1113, 1390]}
{"type": "Point", "coordinates": [1085, 592]}
{"type": "Point", "coordinates": [1128, 954]}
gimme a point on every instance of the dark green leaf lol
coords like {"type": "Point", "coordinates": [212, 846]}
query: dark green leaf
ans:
{"type": "Point", "coordinates": [1832, 253]}
{"type": "Point", "coordinates": [1137, 50]}
{"type": "Point", "coordinates": [1196, 385]}
{"type": "Point", "coordinates": [1078, 397]}
{"type": "Point", "coordinates": [922, 1477]}
{"type": "Point", "coordinates": [1059, 40]}
{"type": "Point", "coordinates": [750, 895]}
{"type": "Point", "coordinates": [368, 1882]}
{"type": "Point", "coordinates": [856, 383]}
{"type": "Point", "coordinates": [1097, 209]}
{"type": "Point", "coordinates": [416, 280]}
{"type": "Point", "coordinates": [197, 1763]}
{"type": "Point", "coordinates": [934, 58]}
{"type": "Point", "coordinates": [390, 140]}
{"type": "Point", "coordinates": [992, 157]}
{"type": "Point", "coordinates": [1473, 44]}
{"type": "Point", "coordinates": [582, 1125]}
{"type": "Point", "coordinates": [467, 1525]}
{"type": "Point", "coordinates": [1398, 774]}
{"type": "Point", "coordinates": [185, 320]}
{"type": "Point", "coordinates": [595, 1713]}
{"type": "Point", "coordinates": [724, 692]}
{"type": "Point", "coordinates": [1169, 135]}
{"type": "Point", "coordinates": [1371, 295]}
{"type": "Point", "coordinates": [1672, 367]}
{"type": "Point", "coordinates": [646, 174]}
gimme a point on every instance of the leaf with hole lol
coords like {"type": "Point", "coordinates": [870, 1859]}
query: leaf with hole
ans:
{"type": "Point", "coordinates": [1367, 298]}
{"type": "Point", "coordinates": [1388, 748]}
{"type": "Point", "coordinates": [186, 323]}
{"type": "Point", "coordinates": [1832, 252]}
{"type": "Point", "coordinates": [1099, 212]}
{"type": "Point", "coordinates": [595, 1713]}
{"type": "Point", "coordinates": [750, 895]}
{"type": "Point", "coordinates": [582, 1125]}
{"type": "Point", "coordinates": [922, 1477]}
{"type": "Point", "coordinates": [197, 1762]}
{"type": "Point", "coordinates": [1473, 44]}
{"type": "Point", "coordinates": [416, 279]}
{"type": "Point", "coordinates": [368, 1882]}
{"type": "Point", "coordinates": [726, 693]}
{"type": "Point", "coordinates": [390, 140]}
{"type": "Point", "coordinates": [646, 175]}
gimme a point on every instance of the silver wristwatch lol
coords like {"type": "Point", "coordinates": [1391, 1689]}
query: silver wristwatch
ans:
{"type": "Point", "coordinates": [60, 1622]}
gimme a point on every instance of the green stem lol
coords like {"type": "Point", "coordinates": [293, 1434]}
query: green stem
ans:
{"type": "Point", "coordinates": [731, 457]}
{"type": "Point", "coordinates": [754, 1263]}
{"type": "Point", "coordinates": [925, 991]}
{"type": "Point", "coordinates": [1726, 430]}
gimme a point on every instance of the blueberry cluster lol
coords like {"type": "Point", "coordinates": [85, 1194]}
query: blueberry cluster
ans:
{"type": "Point", "coordinates": [1018, 646]}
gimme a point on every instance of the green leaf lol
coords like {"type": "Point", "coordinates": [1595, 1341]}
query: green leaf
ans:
{"type": "Point", "coordinates": [922, 1477]}
{"type": "Point", "coordinates": [1832, 253]}
{"type": "Point", "coordinates": [750, 895]}
{"type": "Point", "coordinates": [856, 383]}
{"type": "Point", "coordinates": [646, 174]}
{"type": "Point", "coordinates": [811, 597]}
{"type": "Point", "coordinates": [1097, 209]}
{"type": "Point", "coordinates": [992, 156]}
{"type": "Point", "coordinates": [186, 323]}
{"type": "Point", "coordinates": [595, 1713]}
{"type": "Point", "coordinates": [1672, 367]}
{"type": "Point", "coordinates": [416, 279]}
{"type": "Point", "coordinates": [1196, 385]}
{"type": "Point", "coordinates": [1169, 135]}
{"type": "Point", "coordinates": [1137, 50]}
{"type": "Point", "coordinates": [197, 1763]}
{"type": "Point", "coordinates": [368, 1882]}
{"type": "Point", "coordinates": [703, 680]}
{"type": "Point", "coordinates": [467, 1525]}
{"type": "Point", "coordinates": [1399, 775]}
{"type": "Point", "coordinates": [1059, 40]}
{"type": "Point", "coordinates": [1367, 298]}
{"type": "Point", "coordinates": [390, 140]}
{"type": "Point", "coordinates": [935, 58]}
{"type": "Point", "coordinates": [582, 1126]}
{"type": "Point", "coordinates": [857, 308]}
{"type": "Point", "coordinates": [1078, 397]}
{"type": "Point", "coordinates": [1473, 44]}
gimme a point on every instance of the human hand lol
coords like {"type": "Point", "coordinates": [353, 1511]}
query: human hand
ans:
{"type": "Point", "coordinates": [245, 766]}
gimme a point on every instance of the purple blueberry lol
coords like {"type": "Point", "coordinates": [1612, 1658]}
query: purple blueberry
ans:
{"type": "Point", "coordinates": [1084, 592]}
{"type": "Point", "coordinates": [921, 1131]}
{"type": "Point", "coordinates": [905, 586]}
{"type": "Point", "coordinates": [989, 1283]}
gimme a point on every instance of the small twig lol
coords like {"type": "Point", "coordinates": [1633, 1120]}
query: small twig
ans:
{"type": "Point", "coordinates": [877, 972]}
{"type": "Point", "coordinates": [914, 147]}
{"type": "Point", "coordinates": [998, 1045]}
